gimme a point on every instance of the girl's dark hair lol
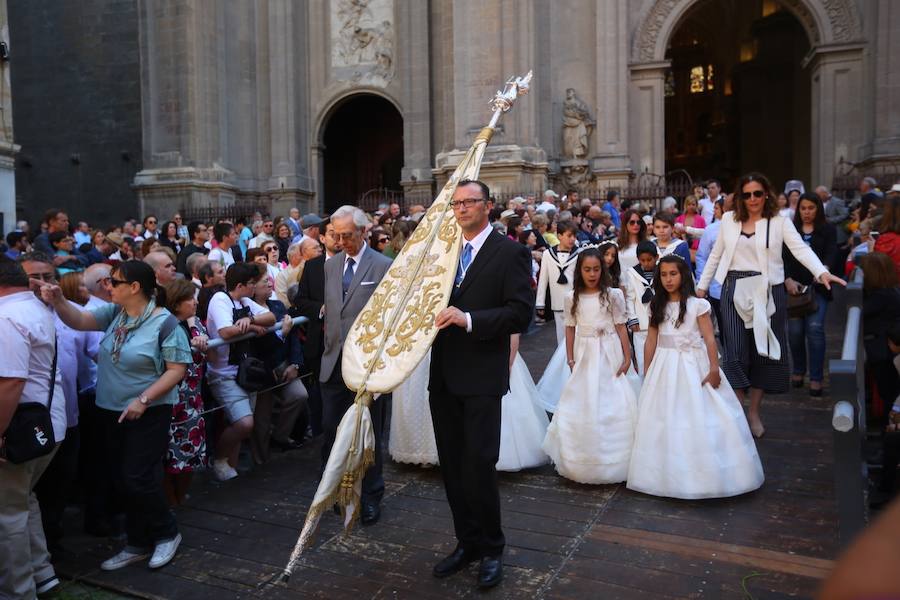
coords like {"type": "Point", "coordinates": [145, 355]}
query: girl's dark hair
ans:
{"type": "Point", "coordinates": [136, 271]}
{"type": "Point", "coordinates": [512, 224]}
{"type": "Point", "coordinates": [661, 296]}
{"type": "Point", "coordinates": [623, 230]}
{"type": "Point", "coordinates": [770, 208]}
{"type": "Point", "coordinates": [57, 236]}
{"type": "Point", "coordinates": [615, 271]}
{"type": "Point", "coordinates": [578, 286]}
{"type": "Point", "coordinates": [820, 211]}
{"type": "Point", "coordinates": [524, 235]}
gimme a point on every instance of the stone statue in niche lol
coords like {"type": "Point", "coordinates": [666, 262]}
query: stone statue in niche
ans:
{"type": "Point", "coordinates": [578, 124]}
{"type": "Point", "coordinates": [576, 174]}
{"type": "Point", "coordinates": [362, 41]}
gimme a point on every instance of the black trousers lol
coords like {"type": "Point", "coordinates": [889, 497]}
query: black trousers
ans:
{"type": "Point", "coordinates": [467, 432]}
{"type": "Point", "coordinates": [96, 483]}
{"type": "Point", "coordinates": [135, 451]}
{"type": "Point", "coordinates": [336, 399]}
{"type": "Point", "coordinates": [55, 486]}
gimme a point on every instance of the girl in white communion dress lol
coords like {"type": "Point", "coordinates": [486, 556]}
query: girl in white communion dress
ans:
{"type": "Point", "coordinates": [692, 439]}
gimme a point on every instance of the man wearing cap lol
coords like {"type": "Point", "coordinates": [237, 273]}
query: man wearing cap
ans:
{"type": "Point", "coordinates": [549, 202]}
{"type": "Point", "coordinates": [310, 224]}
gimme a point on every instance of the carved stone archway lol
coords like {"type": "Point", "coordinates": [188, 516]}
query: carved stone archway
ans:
{"type": "Point", "coordinates": [835, 64]}
{"type": "Point", "coordinates": [826, 22]}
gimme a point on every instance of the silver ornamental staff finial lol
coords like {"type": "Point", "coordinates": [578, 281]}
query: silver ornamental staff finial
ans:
{"type": "Point", "coordinates": [503, 101]}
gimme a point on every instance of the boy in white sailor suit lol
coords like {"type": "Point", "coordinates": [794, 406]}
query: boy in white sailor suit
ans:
{"type": "Point", "coordinates": [639, 280]}
{"type": "Point", "coordinates": [558, 273]}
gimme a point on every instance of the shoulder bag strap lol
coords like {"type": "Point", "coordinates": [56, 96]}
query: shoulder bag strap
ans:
{"type": "Point", "coordinates": [52, 375]}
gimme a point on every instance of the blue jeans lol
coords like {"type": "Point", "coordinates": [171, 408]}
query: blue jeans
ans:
{"type": "Point", "coordinates": [809, 331]}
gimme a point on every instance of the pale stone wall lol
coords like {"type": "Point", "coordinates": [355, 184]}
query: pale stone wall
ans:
{"type": "Point", "coordinates": [8, 149]}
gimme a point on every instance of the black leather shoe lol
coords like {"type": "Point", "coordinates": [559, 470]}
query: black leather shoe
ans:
{"type": "Point", "coordinates": [456, 562]}
{"type": "Point", "coordinates": [285, 446]}
{"type": "Point", "coordinates": [370, 513]}
{"type": "Point", "coordinates": [490, 573]}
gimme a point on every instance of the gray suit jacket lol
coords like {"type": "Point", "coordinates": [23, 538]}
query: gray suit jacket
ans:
{"type": "Point", "coordinates": [837, 213]}
{"type": "Point", "coordinates": [340, 312]}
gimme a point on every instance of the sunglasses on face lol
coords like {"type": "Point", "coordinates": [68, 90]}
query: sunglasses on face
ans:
{"type": "Point", "coordinates": [151, 222]}
{"type": "Point", "coordinates": [383, 240]}
{"type": "Point", "coordinates": [634, 222]}
{"type": "Point", "coordinates": [117, 282]}
{"type": "Point", "coordinates": [754, 193]}
{"type": "Point", "coordinates": [271, 249]}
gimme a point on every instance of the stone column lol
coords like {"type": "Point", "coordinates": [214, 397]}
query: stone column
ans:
{"type": "Point", "coordinates": [885, 49]}
{"type": "Point", "coordinates": [491, 42]}
{"type": "Point", "coordinates": [611, 163]}
{"type": "Point", "coordinates": [646, 116]}
{"type": "Point", "coordinates": [8, 149]}
{"type": "Point", "coordinates": [182, 120]}
{"type": "Point", "coordinates": [414, 74]}
{"type": "Point", "coordinates": [837, 120]}
{"type": "Point", "coordinates": [289, 183]}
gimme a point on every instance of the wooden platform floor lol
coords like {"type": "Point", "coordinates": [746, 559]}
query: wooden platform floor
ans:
{"type": "Point", "coordinates": [565, 540]}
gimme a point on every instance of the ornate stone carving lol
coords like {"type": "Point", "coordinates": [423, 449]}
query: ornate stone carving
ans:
{"type": "Point", "coordinates": [578, 124]}
{"type": "Point", "coordinates": [838, 17]}
{"type": "Point", "coordinates": [362, 41]}
{"type": "Point", "coordinates": [576, 173]}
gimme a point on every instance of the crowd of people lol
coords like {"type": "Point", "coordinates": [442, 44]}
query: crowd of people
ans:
{"type": "Point", "coordinates": [162, 351]}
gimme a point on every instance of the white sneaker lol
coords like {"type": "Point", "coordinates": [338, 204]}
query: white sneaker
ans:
{"type": "Point", "coordinates": [123, 559]}
{"type": "Point", "coordinates": [42, 587]}
{"type": "Point", "coordinates": [223, 471]}
{"type": "Point", "coordinates": [164, 552]}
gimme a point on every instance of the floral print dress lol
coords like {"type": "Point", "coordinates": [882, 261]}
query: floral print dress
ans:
{"type": "Point", "coordinates": [187, 433]}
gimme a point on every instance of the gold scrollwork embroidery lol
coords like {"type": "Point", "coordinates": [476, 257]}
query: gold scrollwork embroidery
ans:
{"type": "Point", "coordinates": [419, 318]}
{"type": "Point", "coordinates": [372, 321]}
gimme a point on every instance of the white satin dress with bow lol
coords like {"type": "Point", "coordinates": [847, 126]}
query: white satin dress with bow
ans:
{"type": "Point", "coordinates": [692, 440]}
{"type": "Point", "coordinates": [590, 437]}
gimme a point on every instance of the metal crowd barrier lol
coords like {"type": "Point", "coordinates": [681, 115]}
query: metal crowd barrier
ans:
{"type": "Point", "coordinates": [847, 376]}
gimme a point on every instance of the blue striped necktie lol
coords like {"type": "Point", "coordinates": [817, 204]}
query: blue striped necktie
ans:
{"type": "Point", "coordinates": [464, 261]}
{"type": "Point", "coordinates": [348, 275]}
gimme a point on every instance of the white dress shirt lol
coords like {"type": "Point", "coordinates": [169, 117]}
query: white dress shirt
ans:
{"type": "Point", "coordinates": [477, 242]}
{"type": "Point", "coordinates": [356, 258]}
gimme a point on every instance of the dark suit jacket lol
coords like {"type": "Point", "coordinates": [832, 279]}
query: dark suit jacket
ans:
{"type": "Point", "coordinates": [824, 244]}
{"type": "Point", "coordinates": [497, 294]}
{"type": "Point", "coordinates": [309, 301]}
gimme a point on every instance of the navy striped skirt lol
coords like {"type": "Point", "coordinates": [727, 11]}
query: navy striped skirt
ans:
{"type": "Point", "coordinates": [742, 365]}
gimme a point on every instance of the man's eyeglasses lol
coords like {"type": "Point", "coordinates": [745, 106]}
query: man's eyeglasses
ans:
{"type": "Point", "coordinates": [272, 249]}
{"type": "Point", "coordinates": [42, 276]}
{"type": "Point", "coordinates": [269, 225]}
{"type": "Point", "coordinates": [754, 193]}
{"type": "Point", "coordinates": [151, 222]}
{"type": "Point", "coordinates": [346, 236]}
{"type": "Point", "coordinates": [117, 282]}
{"type": "Point", "coordinates": [468, 202]}
{"type": "Point", "coordinates": [384, 240]}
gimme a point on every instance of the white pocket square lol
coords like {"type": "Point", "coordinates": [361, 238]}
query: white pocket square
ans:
{"type": "Point", "coordinates": [366, 283]}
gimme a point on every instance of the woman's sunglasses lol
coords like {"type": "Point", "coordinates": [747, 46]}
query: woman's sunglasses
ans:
{"type": "Point", "coordinates": [754, 193]}
{"type": "Point", "coordinates": [117, 282]}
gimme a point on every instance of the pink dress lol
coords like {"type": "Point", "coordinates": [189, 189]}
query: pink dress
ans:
{"type": "Point", "coordinates": [699, 223]}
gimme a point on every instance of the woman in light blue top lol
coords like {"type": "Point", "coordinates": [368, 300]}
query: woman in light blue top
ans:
{"type": "Point", "coordinates": [143, 357]}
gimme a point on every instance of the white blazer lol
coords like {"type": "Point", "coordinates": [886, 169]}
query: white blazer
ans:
{"type": "Point", "coordinates": [552, 264]}
{"type": "Point", "coordinates": [780, 231]}
{"type": "Point", "coordinates": [636, 285]}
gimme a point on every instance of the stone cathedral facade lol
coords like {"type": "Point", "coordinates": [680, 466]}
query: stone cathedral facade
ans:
{"type": "Point", "coordinates": [310, 103]}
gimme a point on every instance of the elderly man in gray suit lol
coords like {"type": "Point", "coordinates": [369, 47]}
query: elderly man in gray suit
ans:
{"type": "Point", "coordinates": [350, 278]}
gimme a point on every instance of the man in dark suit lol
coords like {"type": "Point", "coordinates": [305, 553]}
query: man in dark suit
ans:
{"type": "Point", "coordinates": [309, 302]}
{"type": "Point", "coordinates": [350, 278]}
{"type": "Point", "coordinates": [491, 300]}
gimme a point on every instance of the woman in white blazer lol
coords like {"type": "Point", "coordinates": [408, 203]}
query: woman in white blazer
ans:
{"type": "Point", "coordinates": [749, 243]}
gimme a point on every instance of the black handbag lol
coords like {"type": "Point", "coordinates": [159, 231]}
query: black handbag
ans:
{"type": "Point", "coordinates": [30, 431]}
{"type": "Point", "coordinates": [802, 305]}
{"type": "Point", "coordinates": [253, 374]}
